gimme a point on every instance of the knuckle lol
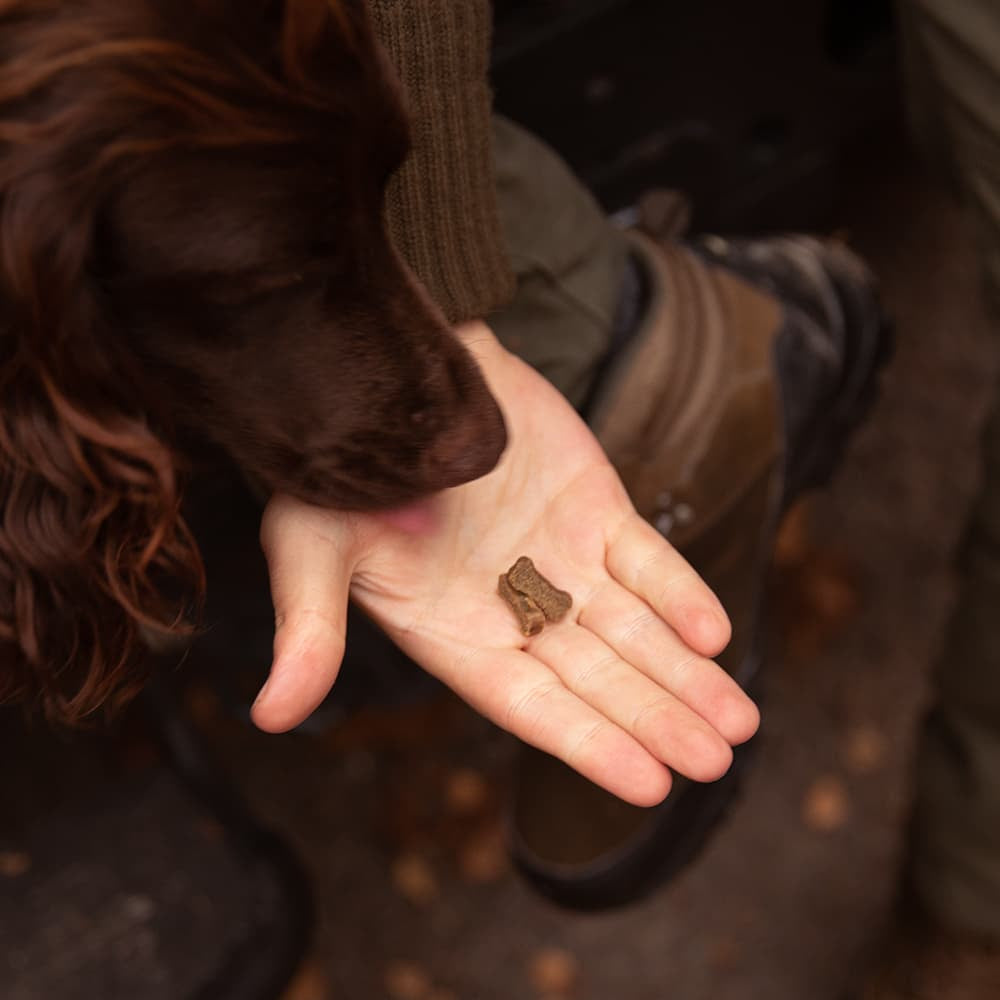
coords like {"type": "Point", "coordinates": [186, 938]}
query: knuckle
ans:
{"type": "Point", "coordinates": [639, 625]}
{"type": "Point", "coordinates": [671, 586]}
{"type": "Point", "coordinates": [310, 621]}
{"type": "Point", "coordinates": [527, 712]}
{"type": "Point", "coordinates": [579, 752]}
{"type": "Point", "coordinates": [653, 719]}
{"type": "Point", "coordinates": [682, 669]}
{"type": "Point", "coordinates": [592, 674]}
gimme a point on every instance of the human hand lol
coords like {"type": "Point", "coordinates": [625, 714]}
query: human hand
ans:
{"type": "Point", "coordinates": [621, 690]}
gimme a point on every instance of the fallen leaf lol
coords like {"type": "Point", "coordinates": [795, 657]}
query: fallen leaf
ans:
{"type": "Point", "coordinates": [14, 863]}
{"type": "Point", "coordinates": [415, 880]}
{"type": "Point", "coordinates": [407, 981]}
{"type": "Point", "coordinates": [831, 590]}
{"type": "Point", "coordinates": [554, 971]}
{"type": "Point", "coordinates": [310, 984]}
{"type": "Point", "coordinates": [794, 541]}
{"type": "Point", "coordinates": [865, 749]}
{"type": "Point", "coordinates": [483, 859]}
{"type": "Point", "coordinates": [466, 792]}
{"type": "Point", "coordinates": [826, 805]}
{"type": "Point", "coordinates": [815, 601]}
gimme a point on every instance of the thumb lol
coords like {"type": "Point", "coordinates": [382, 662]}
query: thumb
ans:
{"type": "Point", "coordinates": [310, 563]}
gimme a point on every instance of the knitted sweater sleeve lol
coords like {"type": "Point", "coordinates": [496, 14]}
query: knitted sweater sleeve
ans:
{"type": "Point", "coordinates": [441, 205]}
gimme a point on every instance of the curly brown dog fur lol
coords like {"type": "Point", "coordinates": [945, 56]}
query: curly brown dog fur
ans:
{"type": "Point", "coordinates": [192, 247]}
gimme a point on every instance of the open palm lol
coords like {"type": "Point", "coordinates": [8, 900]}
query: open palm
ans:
{"type": "Point", "coordinates": [621, 689]}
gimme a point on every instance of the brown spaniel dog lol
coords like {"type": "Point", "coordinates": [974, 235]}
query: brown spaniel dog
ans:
{"type": "Point", "coordinates": [192, 247]}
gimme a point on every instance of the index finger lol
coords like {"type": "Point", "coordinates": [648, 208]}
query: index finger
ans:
{"type": "Point", "coordinates": [644, 562]}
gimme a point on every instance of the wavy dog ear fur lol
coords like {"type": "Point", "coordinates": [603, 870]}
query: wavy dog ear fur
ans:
{"type": "Point", "coordinates": [96, 561]}
{"type": "Point", "coordinates": [93, 551]}
{"type": "Point", "coordinates": [92, 547]}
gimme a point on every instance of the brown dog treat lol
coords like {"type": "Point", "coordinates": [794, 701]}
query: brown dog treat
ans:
{"type": "Point", "coordinates": [526, 580]}
{"type": "Point", "coordinates": [529, 615]}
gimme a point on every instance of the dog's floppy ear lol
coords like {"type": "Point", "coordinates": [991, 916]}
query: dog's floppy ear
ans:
{"type": "Point", "coordinates": [95, 559]}
{"type": "Point", "coordinates": [94, 554]}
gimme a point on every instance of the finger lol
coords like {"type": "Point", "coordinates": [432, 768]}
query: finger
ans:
{"type": "Point", "coordinates": [641, 637]}
{"type": "Point", "coordinates": [642, 561]}
{"type": "Point", "coordinates": [660, 722]}
{"type": "Point", "coordinates": [310, 571]}
{"type": "Point", "coordinates": [522, 696]}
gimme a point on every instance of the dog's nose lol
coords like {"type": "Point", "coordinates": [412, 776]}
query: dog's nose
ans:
{"type": "Point", "coordinates": [467, 449]}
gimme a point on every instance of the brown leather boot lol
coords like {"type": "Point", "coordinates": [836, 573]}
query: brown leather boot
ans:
{"type": "Point", "coordinates": [754, 361]}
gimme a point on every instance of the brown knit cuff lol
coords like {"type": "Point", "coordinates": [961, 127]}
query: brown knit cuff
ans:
{"type": "Point", "coordinates": [441, 205]}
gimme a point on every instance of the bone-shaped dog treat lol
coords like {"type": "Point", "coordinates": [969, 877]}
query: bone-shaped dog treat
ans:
{"type": "Point", "coordinates": [526, 580]}
{"type": "Point", "coordinates": [531, 587]}
{"type": "Point", "coordinates": [529, 614]}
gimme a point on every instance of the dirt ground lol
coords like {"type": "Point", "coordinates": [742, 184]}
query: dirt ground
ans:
{"type": "Point", "coordinates": [398, 816]}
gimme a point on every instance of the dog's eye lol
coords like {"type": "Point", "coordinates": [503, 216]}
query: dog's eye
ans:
{"type": "Point", "coordinates": [277, 282]}
{"type": "Point", "coordinates": [239, 289]}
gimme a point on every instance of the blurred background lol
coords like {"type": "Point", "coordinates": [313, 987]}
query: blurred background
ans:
{"type": "Point", "coordinates": [183, 855]}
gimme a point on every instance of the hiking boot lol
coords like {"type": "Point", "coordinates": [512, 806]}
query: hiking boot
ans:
{"type": "Point", "coordinates": [753, 362]}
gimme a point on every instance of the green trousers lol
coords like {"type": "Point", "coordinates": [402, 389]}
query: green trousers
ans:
{"type": "Point", "coordinates": [571, 265]}
{"type": "Point", "coordinates": [952, 60]}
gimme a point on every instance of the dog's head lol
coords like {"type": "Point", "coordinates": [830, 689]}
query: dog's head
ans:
{"type": "Point", "coordinates": [192, 244]}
